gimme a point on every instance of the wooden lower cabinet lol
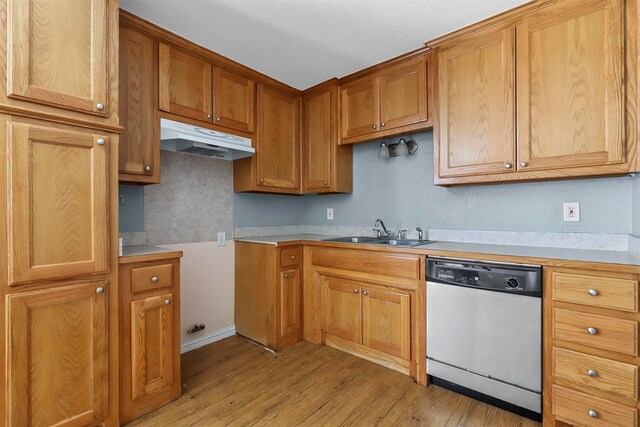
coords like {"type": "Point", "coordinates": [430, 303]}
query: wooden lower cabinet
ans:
{"type": "Point", "coordinates": [590, 347]}
{"type": "Point", "coordinates": [57, 356]}
{"type": "Point", "coordinates": [150, 334]}
{"type": "Point", "coordinates": [268, 297]}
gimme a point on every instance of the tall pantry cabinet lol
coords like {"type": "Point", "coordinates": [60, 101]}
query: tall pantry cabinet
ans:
{"type": "Point", "coordinates": [58, 219]}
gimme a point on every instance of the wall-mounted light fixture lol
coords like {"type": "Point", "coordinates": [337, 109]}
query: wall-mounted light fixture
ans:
{"type": "Point", "coordinates": [403, 147]}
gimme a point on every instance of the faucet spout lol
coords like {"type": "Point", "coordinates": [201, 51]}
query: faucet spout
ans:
{"type": "Point", "coordinates": [380, 223]}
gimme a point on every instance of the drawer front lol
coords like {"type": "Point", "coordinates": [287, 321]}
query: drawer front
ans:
{"type": "Point", "coordinates": [596, 291]}
{"type": "Point", "coordinates": [151, 277]}
{"type": "Point", "coordinates": [401, 266]}
{"type": "Point", "coordinates": [584, 410]}
{"type": "Point", "coordinates": [290, 257]}
{"type": "Point", "coordinates": [611, 334]}
{"type": "Point", "coordinates": [606, 375]}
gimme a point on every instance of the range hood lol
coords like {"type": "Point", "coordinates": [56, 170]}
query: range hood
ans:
{"type": "Point", "coordinates": [184, 138]}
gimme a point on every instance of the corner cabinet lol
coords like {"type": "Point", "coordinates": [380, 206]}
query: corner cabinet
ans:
{"type": "Point", "coordinates": [326, 166]}
{"type": "Point", "coordinates": [539, 98]}
{"type": "Point", "coordinates": [150, 333]}
{"type": "Point", "coordinates": [268, 293]}
{"type": "Point", "coordinates": [275, 167]}
{"type": "Point", "coordinates": [387, 101]}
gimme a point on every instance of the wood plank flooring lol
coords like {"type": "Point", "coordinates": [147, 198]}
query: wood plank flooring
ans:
{"type": "Point", "coordinates": [234, 382]}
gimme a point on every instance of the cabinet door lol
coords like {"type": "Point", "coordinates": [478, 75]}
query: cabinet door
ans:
{"type": "Point", "coordinates": [59, 203]}
{"type": "Point", "coordinates": [151, 345]}
{"type": "Point", "coordinates": [343, 310]}
{"type": "Point", "coordinates": [57, 356]}
{"type": "Point", "coordinates": [289, 308]}
{"type": "Point", "coordinates": [403, 95]}
{"type": "Point", "coordinates": [319, 138]}
{"type": "Point", "coordinates": [278, 139]}
{"type": "Point", "coordinates": [386, 321]}
{"type": "Point", "coordinates": [570, 80]}
{"type": "Point", "coordinates": [139, 142]}
{"type": "Point", "coordinates": [360, 107]}
{"type": "Point", "coordinates": [475, 131]}
{"type": "Point", "coordinates": [185, 84]}
{"type": "Point", "coordinates": [57, 53]}
{"type": "Point", "coordinates": [233, 100]}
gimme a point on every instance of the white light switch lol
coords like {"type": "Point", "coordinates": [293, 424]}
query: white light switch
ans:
{"type": "Point", "coordinates": [222, 239]}
{"type": "Point", "coordinates": [571, 211]}
{"type": "Point", "coordinates": [330, 214]}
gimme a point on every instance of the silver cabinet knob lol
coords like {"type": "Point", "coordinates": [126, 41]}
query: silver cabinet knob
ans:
{"type": "Point", "coordinates": [374, 127]}
{"type": "Point", "coordinates": [365, 293]}
{"type": "Point", "coordinates": [507, 165]}
{"type": "Point", "coordinates": [286, 275]}
{"type": "Point", "coordinates": [292, 257]}
{"type": "Point", "coordinates": [100, 106]}
{"type": "Point", "coordinates": [99, 290]}
{"type": "Point", "coordinates": [592, 373]}
{"type": "Point", "coordinates": [524, 164]}
{"type": "Point", "coordinates": [261, 180]}
{"type": "Point", "coordinates": [101, 141]}
{"type": "Point", "coordinates": [593, 292]}
{"type": "Point", "coordinates": [383, 124]}
{"type": "Point", "coordinates": [592, 331]}
{"type": "Point", "coordinates": [147, 168]}
{"type": "Point", "coordinates": [355, 290]}
{"type": "Point", "coordinates": [208, 115]}
{"type": "Point", "coordinates": [325, 183]}
{"type": "Point", "coordinates": [593, 414]}
{"type": "Point", "coordinates": [167, 301]}
{"type": "Point", "coordinates": [219, 118]}
{"type": "Point", "coordinates": [154, 279]}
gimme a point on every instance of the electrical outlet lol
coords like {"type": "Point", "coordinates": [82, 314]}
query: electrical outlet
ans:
{"type": "Point", "coordinates": [330, 214]}
{"type": "Point", "coordinates": [571, 211]}
{"type": "Point", "coordinates": [222, 238]}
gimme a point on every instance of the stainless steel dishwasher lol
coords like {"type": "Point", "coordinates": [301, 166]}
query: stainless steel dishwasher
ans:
{"type": "Point", "coordinates": [484, 331]}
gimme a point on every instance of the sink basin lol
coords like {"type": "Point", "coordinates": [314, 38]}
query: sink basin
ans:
{"type": "Point", "coordinates": [352, 239]}
{"type": "Point", "coordinates": [401, 242]}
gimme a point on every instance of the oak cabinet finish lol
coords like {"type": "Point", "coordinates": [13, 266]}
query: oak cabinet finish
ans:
{"type": "Point", "coordinates": [139, 151]}
{"type": "Point", "coordinates": [57, 53]}
{"type": "Point", "coordinates": [386, 321]}
{"type": "Point", "coordinates": [326, 166]}
{"type": "Point", "coordinates": [268, 293]}
{"type": "Point", "coordinates": [57, 359]}
{"type": "Point", "coordinates": [150, 334]}
{"type": "Point", "coordinates": [233, 100]}
{"type": "Point", "coordinates": [343, 309]}
{"type": "Point", "coordinates": [390, 101]}
{"type": "Point", "coordinates": [59, 193]}
{"type": "Point", "coordinates": [185, 84]}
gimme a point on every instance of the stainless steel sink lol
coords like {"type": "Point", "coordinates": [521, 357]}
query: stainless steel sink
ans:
{"type": "Point", "coordinates": [376, 241]}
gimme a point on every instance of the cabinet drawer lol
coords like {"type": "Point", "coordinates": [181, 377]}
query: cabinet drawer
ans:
{"type": "Point", "coordinates": [151, 277]}
{"type": "Point", "coordinates": [291, 256]}
{"type": "Point", "coordinates": [607, 333]}
{"type": "Point", "coordinates": [585, 410]}
{"type": "Point", "coordinates": [604, 374]}
{"type": "Point", "coordinates": [401, 266]}
{"type": "Point", "coordinates": [596, 291]}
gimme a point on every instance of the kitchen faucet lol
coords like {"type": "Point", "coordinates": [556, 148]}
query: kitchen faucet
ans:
{"type": "Point", "coordinates": [380, 223]}
{"type": "Point", "coordinates": [419, 230]}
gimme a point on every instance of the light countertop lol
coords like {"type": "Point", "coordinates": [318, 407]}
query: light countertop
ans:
{"type": "Point", "coordinates": [146, 253]}
{"type": "Point", "coordinates": [275, 240]}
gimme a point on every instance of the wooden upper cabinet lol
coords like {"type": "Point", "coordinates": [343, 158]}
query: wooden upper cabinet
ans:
{"type": "Point", "coordinates": [57, 53]}
{"type": "Point", "coordinates": [318, 139]}
{"type": "Point", "coordinates": [57, 356]}
{"type": "Point", "coordinates": [59, 202]}
{"type": "Point", "coordinates": [386, 321]}
{"type": "Point", "coordinates": [278, 140]}
{"type": "Point", "coordinates": [233, 100]}
{"type": "Point", "coordinates": [571, 86]}
{"type": "Point", "coordinates": [343, 309]}
{"type": "Point", "coordinates": [475, 99]}
{"type": "Point", "coordinates": [403, 95]}
{"type": "Point", "coordinates": [185, 84]}
{"type": "Point", "coordinates": [360, 107]}
{"type": "Point", "coordinates": [139, 150]}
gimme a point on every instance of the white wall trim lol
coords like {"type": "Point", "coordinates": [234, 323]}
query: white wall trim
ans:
{"type": "Point", "coordinates": [208, 339]}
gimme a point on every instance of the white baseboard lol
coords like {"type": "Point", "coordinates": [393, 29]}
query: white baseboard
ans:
{"type": "Point", "coordinates": [208, 339]}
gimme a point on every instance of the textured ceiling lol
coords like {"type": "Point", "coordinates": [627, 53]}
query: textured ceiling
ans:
{"type": "Point", "coordinates": [305, 42]}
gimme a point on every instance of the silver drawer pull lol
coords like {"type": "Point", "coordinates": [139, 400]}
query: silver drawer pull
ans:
{"type": "Point", "coordinates": [167, 301]}
{"type": "Point", "coordinates": [100, 290]}
{"type": "Point", "coordinates": [154, 279]}
{"type": "Point", "coordinates": [593, 414]}
{"type": "Point", "coordinates": [592, 373]}
{"type": "Point", "coordinates": [593, 292]}
{"type": "Point", "coordinates": [592, 331]}
{"type": "Point", "coordinates": [293, 257]}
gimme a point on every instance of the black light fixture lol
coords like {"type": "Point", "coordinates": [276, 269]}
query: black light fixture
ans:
{"type": "Point", "coordinates": [403, 147]}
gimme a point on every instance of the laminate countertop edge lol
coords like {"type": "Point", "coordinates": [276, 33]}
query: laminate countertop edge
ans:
{"type": "Point", "coordinates": [141, 253]}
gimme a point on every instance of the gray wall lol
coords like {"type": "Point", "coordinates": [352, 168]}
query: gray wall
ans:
{"type": "Point", "coordinates": [635, 223]}
{"type": "Point", "coordinates": [131, 208]}
{"type": "Point", "coordinates": [258, 210]}
{"type": "Point", "coordinates": [401, 191]}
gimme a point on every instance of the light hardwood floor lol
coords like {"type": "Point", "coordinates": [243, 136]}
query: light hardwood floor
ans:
{"type": "Point", "coordinates": [235, 382]}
